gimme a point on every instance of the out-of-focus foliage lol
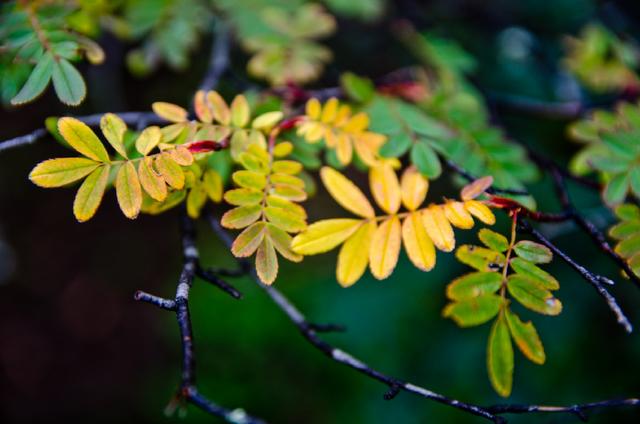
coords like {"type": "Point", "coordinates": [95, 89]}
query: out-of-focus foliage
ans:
{"type": "Point", "coordinates": [627, 232]}
{"type": "Point", "coordinates": [366, 10]}
{"type": "Point", "coordinates": [611, 149]}
{"type": "Point", "coordinates": [602, 61]}
{"type": "Point", "coordinates": [39, 41]}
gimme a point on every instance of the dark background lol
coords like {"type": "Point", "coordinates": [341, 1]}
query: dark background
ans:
{"type": "Point", "coordinates": [74, 344]}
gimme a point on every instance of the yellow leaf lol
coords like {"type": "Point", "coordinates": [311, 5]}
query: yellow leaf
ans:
{"type": "Point", "coordinates": [367, 145]}
{"type": "Point", "coordinates": [438, 228]}
{"type": "Point", "coordinates": [458, 215]}
{"type": "Point", "coordinates": [282, 242]}
{"type": "Point", "coordinates": [248, 240]}
{"type": "Point", "coordinates": [82, 139]}
{"type": "Point", "coordinates": [286, 167]}
{"type": "Point", "coordinates": [282, 149]}
{"type": "Point", "coordinates": [313, 109]}
{"type": "Point", "coordinates": [62, 171]}
{"type": "Point", "coordinates": [288, 192]}
{"type": "Point", "coordinates": [240, 111]}
{"type": "Point", "coordinates": [181, 155]}
{"type": "Point", "coordinates": [128, 190]}
{"type": "Point", "coordinates": [212, 184]}
{"type": "Point", "coordinates": [152, 183]}
{"type": "Point", "coordinates": [480, 211]}
{"type": "Point", "coordinates": [169, 111]}
{"type": "Point", "coordinates": [414, 188]}
{"type": "Point", "coordinates": [148, 139]}
{"type": "Point", "coordinates": [196, 199]}
{"type": "Point", "coordinates": [323, 236]}
{"type": "Point", "coordinates": [113, 128]}
{"type": "Point", "coordinates": [90, 194]}
{"type": "Point", "coordinates": [219, 107]}
{"type": "Point", "coordinates": [417, 243]}
{"type": "Point", "coordinates": [170, 170]}
{"type": "Point", "coordinates": [241, 216]}
{"type": "Point", "coordinates": [329, 110]}
{"type": "Point", "coordinates": [171, 132]}
{"type": "Point", "coordinates": [286, 179]}
{"type": "Point", "coordinates": [267, 262]}
{"type": "Point", "coordinates": [358, 123]}
{"type": "Point", "coordinates": [344, 149]}
{"type": "Point", "coordinates": [353, 257]}
{"type": "Point", "coordinates": [385, 247]}
{"type": "Point", "coordinates": [385, 187]}
{"type": "Point", "coordinates": [476, 188]}
{"type": "Point", "coordinates": [202, 109]}
{"type": "Point", "coordinates": [267, 120]}
{"type": "Point", "coordinates": [346, 193]}
{"type": "Point", "coordinates": [278, 202]}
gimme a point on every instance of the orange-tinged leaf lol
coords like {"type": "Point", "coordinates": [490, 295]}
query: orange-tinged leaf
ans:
{"type": "Point", "coordinates": [202, 109]}
{"type": "Point", "coordinates": [181, 155]}
{"type": "Point", "coordinates": [113, 128]}
{"type": "Point", "coordinates": [417, 243]}
{"type": "Point", "coordinates": [90, 194]}
{"type": "Point", "coordinates": [353, 258]}
{"type": "Point", "coordinates": [385, 248]}
{"type": "Point", "coordinates": [241, 216]}
{"type": "Point", "coordinates": [480, 211]}
{"type": "Point", "coordinates": [170, 170]}
{"type": "Point", "coordinates": [221, 111]}
{"type": "Point", "coordinates": [62, 171]}
{"type": "Point", "coordinates": [169, 111]}
{"type": "Point", "coordinates": [323, 236]}
{"type": "Point", "coordinates": [267, 262]}
{"type": "Point", "coordinates": [152, 183]}
{"type": "Point", "coordinates": [240, 111]}
{"type": "Point", "coordinates": [346, 193]}
{"type": "Point", "coordinates": [313, 109]}
{"type": "Point", "coordinates": [248, 240]}
{"type": "Point", "coordinates": [414, 188]}
{"type": "Point", "coordinates": [476, 188]}
{"type": "Point", "coordinates": [438, 228]}
{"type": "Point", "coordinates": [148, 139]}
{"type": "Point", "coordinates": [458, 215]}
{"type": "Point", "coordinates": [128, 190]}
{"type": "Point", "coordinates": [282, 242]}
{"type": "Point", "coordinates": [385, 187]}
{"type": "Point", "coordinates": [526, 338]}
{"type": "Point", "coordinates": [82, 139]}
{"type": "Point", "coordinates": [212, 184]}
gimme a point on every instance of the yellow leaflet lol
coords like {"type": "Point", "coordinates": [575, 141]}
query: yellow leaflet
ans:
{"type": "Point", "coordinates": [82, 139]}
{"type": "Point", "coordinates": [266, 262]}
{"type": "Point", "coordinates": [90, 194]}
{"type": "Point", "coordinates": [148, 139]}
{"type": "Point", "coordinates": [286, 167]}
{"type": "Point", "coordinates": [288, 220]}
{"type": "Point", "coordinates": [346, 193]}
{"type": "Point", "coordinates": [267, 120]}
{"type": "Point", "coordinates": [358, 123]}
{"type": "Point", "coordinates": [353, 257]}
{"type": "Point", "coordinates": [240, 111]}
{"type": "Point", "coordinates": [128, 190]}
{"type": "Point", "coordinates": [170, 170]}
{"type": "Point", "coordinates": [202, 109]}
{"type": "Point", "coordinates": [344, 149]}
{"type": "Point", "coordinates": [480, 211]}
{"type": "Point", "coordinates": [282, 149]}
{"type": "Point", "coordinates": [385, 187]}
{"type": "Point", "coordinates": [323, 236]}
{"type": "Point", "coordinates": [113, 128]}
{"type": "Point", "coordinates": [282, 242]}
{"type": "Point", "coordinates": [385, 247]}
{"type": "Point", "coordinates": [212, 183]}
{"type": "Point", "coordinates": [248, 240]}
{"type": "Point", "coordinates": [414, 188]}
{"type": "Point", "coordinates": [169, 111]}
{"type": "Point", "coordinates": [313, 109]}
{"type": "Point", "coordinates": [438, 228]}
{"type": "Point", "coordinates": [329, 111]}
{"type": "Point", "coordinates": [181, 155]}
{"type": "Point", "coordinates": [196, 199]}
{"type": "Point", "coordinates": [62, 171]}
{"type": "Point", "coordinates": [250, 179]}
{"type": "Point", "coordinates": [417, 243]}
{"type": "Point", "coordinates": [152, 183]}
{"type": "Point", "coordinates": [220, 109]}
{"type": "Point", "coordinates": [458, 215]}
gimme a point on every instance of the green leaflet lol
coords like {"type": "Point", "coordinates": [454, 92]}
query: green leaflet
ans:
{"type": "Point", "coordinates": [500, 357]}
{"type": "Point", "coordinates": [68, 83]}
{"type": "Point", "coordinates": [37, 82]}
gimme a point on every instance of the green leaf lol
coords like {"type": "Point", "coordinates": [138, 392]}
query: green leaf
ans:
{"type": "Point", "coordinates": [426, 160]}
{"type": "Point", "coordinates": [473, 311]}
{"type": "Point", "coordinates": [90, 194]}
{"type": "Point", "coordinates": [493, 240]}
{"type": "Point", "coordinates": [473, 285]}
{"type": "Point", "coordinates": [59, 172]}
{"type": "Point", "coordinates": [616, 189]}
{"type": "Point", "coordinates": [68, 83]}
{"type": "Point", "coordinates": [500, 358]}
{"type": "Point", "coordinates": [529, 270]}
{"type": "Point", "coordinates": [526, 338]}
{"type": "Point", "coordinates": [37, 81]}
{"type": "Point", "coordinates": [480, 258]}
{"type": "Point", "coordinates": [628, 212]}
{"type": "Point", "coordinates": [533, 252]}
{"type": "Point", "coordinates": [624, 229]}
{"type": "Point", "coordinates": [357, 88]}
{"type": "Point", "coordinates": [396, 145]}
{"type": "Point", "coordinates": [196, 199]}
{"type": "Point", "coordinates": [533, 295]}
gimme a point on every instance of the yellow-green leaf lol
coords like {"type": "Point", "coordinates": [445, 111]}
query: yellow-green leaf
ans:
{"type": "Point", "coordinates": [278, 202]}
{"type": "Point", "coordinates": [241, 216]}
{"type": "Point", "coordinates": [474, 284]}
{"type": "Point", "coordinates": [417, 243]}
{"type": "Point", "coordinates": [267, 120]}
{"type": "Point", "coordinates": [286, 167]}
{"type": "Point", "coordinates": [82, 139]}
{"type": "Point", "coordinates": [62, 171]}
{"type": "Point", "coordinates": [414, 188]}
{"type": "Point", "coordinates": [196, 199]}
{"type": "Point", "coordinates": [473, 311]}
{"type": "Point", "coordinates": [493, 240]}
{"type": "Point", "coordinates": [385, 247]}
{"type": "Point", "coordinates": [212, 184]}
{"type": "Point", "coordinates": [346, 193]}
{"type": "Point", "coordinates": [323, 236]}
{"type": "Point", "coordinates": [282, 242]}
{"type": "Point", "coordinates": [90, 193]}
{"type": "Point", "coordinates": [500, 358]}
{"type": "Point", "coordinates": [243, 196]}
{"type": "Point", "coordinates": [248, 240]}
{"type": "Point", "coordinates": [529, 270]}
{"type": "Point", "coordinates": [533, 295]}
{"type": "Point", "coordinates": [533, 252]}
{"type": "Point", "coordinates": [266, 262]}
{"type": "Point", "coordinates": [480, 258]}
{"type": "Point", "coordinates": [352, 259]}
{"type": "Point", "coordinates": [240, 111]}
{"type": "Point", "coordinates": [148, 139]}
{"type": "Point", "coordinates": [219, 107]}
{"type": "Point", "coordinates": [113, 128]}
{"type": "Point", "coordinates": [438, 228]}
{"type": "Point", "coordinates": [128, 190]}
{"type": "Point", "coordinates": [284, 219]}
{"type": "Point", "coordinates": [385, 187]}
{"type": "Point", "coordinates": [170, 170]}
{"type": "Point", "coordinates": [150, 181]}
{"type": "Point", "coordinates": [169, 111]}
{"type": "Point", "coordinates": [526, 338]}
{"type": "Point", "coordinates": [250, 179]}
{"type": "Point", "coordinates": [289, 192]}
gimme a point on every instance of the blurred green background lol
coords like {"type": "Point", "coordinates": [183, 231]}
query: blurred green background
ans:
{"type": "Point", "coordinates": [74, 344]}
